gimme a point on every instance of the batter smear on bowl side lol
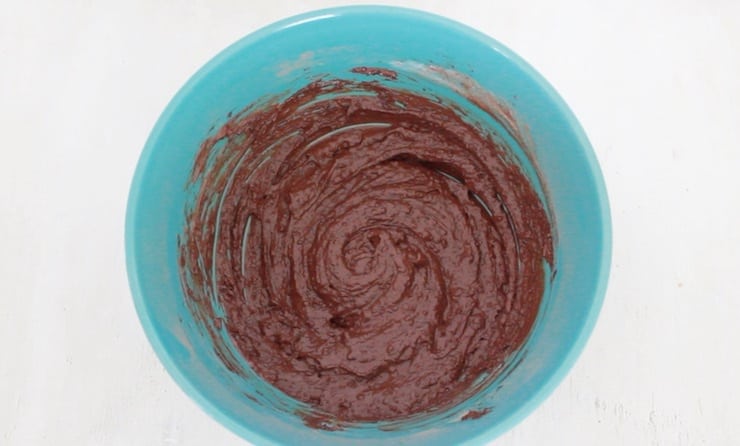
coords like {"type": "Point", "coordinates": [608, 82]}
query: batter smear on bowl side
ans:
{"type": "Point", "coordinates": [374, 253]}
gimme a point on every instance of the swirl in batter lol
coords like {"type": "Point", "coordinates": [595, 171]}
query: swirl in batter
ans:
{"type": "Point", "coordinates": [374, 252]}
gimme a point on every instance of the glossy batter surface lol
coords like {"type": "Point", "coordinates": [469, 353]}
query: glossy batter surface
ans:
{"type": "Point", "coordinates": [374, 253]}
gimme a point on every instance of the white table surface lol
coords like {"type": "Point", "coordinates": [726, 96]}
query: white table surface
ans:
{"type": "Point", "coordinates": [656, 85]}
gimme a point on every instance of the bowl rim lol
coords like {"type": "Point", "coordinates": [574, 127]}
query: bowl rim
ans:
{"type": "Point", "coordinates": [556, 375]}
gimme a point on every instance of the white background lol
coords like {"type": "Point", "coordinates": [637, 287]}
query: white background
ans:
{"type": "Point", "coordinates": [656, 85]}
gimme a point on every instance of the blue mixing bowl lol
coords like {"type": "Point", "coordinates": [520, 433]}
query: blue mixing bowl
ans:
{"type": "Point", "coordinates": [280, 59]}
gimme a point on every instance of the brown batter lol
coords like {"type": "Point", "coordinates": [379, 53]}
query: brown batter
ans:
{"type": "Point", "coordinates": [374, 253]}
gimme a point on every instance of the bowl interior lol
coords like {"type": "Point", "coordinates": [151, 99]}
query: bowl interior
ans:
{"type": "Point", "coordinates": [282, 58]}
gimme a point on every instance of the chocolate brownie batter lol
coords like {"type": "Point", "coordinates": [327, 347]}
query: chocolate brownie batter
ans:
{"type": "Point", "coordinates": [375, 253]}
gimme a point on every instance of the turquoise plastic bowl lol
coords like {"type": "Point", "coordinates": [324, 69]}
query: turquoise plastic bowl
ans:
{"type": "Point", "coordinates": [283, 57]}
